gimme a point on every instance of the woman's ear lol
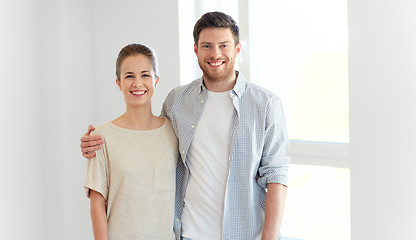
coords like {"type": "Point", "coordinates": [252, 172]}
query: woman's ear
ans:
{"type": "Point", "coordinates": [118, 82]}
{"type": "Point", "coordinates": [156, 81]}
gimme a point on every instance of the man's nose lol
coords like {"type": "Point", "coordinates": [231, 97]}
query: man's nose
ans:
{"type": "Point", "coordinates": [215, 52]}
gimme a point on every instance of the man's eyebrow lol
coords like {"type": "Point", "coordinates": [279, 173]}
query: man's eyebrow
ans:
{"type": "Point", "coordinates": [128, 73]}
{"type": "Point", "coordinates": [219, 42]}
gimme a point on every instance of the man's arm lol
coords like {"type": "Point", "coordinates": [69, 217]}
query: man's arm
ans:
{"type": "Point", "coordinates": [98, 215]}
{"type": "Point", "coordinates": [275, 204]}
{"type": "Point", "coordinates": [273, 170]}
{"type": "Point", "coordinates": [90, 144]}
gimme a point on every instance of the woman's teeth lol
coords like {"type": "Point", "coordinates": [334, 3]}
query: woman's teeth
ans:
{"type": "Point", "coordinates": [140, 92]}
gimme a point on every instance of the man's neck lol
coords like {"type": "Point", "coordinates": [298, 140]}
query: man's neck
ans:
{"type": "Point", "coordinates": [220, 86]}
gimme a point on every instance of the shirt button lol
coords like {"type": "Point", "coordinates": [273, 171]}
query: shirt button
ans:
{"type": "Point", "coordinates": [202, 101]}
{"type": "Point", "coordinates": [183, 152]}
{"type": "Point", "coordinates": [192, 126]}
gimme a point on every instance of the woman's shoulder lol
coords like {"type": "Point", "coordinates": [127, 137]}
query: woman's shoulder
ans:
{"type": "Point", "coordinates": [102, 129]}
{"type": "Point", "coordinates": [168, 125]}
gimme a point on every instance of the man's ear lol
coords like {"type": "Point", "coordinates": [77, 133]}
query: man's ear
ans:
{"type": "Point", "coordinates": [238, 48]}
{"type": "Point", "coordinates": [195, 48]}
{"type": "Point", "coordinates": [118, 82]}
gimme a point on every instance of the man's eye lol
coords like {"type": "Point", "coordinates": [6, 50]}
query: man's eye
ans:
{"type": "Point", "coordinates": [205, 46]}
{"type": "Point", "coordinates": [224, 45]}
{"type": "Point", "coordinates": [129, 76]}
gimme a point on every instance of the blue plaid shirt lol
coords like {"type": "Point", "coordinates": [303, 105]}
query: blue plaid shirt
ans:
{"type": "Point", "coordinates": [258, 144]}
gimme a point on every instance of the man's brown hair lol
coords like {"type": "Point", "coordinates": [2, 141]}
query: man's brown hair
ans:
{"type": "Point", "coordinates": [216, 20]}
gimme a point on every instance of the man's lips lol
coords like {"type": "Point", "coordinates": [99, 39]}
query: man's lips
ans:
{"type": "Point", "coordinates": [216, 63]}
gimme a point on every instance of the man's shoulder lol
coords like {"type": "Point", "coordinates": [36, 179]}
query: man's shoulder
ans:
{"type": "Point", "coordinates": [258, 92]}
{"type": "Point", "coordinates": [181, 90]}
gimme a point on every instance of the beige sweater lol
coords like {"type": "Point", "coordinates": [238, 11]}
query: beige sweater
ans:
{"type": "Point", "coordinates": [135, 173]}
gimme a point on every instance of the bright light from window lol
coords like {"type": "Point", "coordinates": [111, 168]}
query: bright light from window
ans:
{"type": "Point", "coordinates": [301, 54]}
{"type": "Point", "coordinates": [317, 204]}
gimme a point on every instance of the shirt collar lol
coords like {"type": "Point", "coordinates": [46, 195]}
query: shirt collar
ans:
{"type": "Point", "coordinates": [238, 89]}
{"type": "Point", "coordinates": [240, 84]}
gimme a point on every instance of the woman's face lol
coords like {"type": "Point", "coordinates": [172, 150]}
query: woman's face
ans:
{"type": "Point", "coordinates": [137, 80]}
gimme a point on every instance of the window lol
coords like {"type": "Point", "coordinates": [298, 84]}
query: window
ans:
{"type": "Point", "coordinates": [317, 204]}
{"type": "Point", "coordinates": [299, 50]}
{"type": "Point", "coordinates": [301, 53]}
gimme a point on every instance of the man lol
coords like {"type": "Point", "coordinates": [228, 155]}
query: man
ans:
{"type": "Point", "coordinates": [232, 176]}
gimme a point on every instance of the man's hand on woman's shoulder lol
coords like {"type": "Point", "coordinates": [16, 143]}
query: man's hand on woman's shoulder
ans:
{"type": "Point", "coordinates": [90, 144]}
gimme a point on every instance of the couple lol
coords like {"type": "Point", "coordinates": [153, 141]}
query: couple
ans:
{"type": "Point", "coordinates": [231, 172]}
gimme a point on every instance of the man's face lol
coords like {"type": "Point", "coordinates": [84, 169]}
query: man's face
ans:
{"type": "Point", "coordinates": [216, 52]}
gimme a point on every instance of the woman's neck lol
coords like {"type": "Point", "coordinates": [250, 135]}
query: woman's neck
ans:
{"type": "Point", "coordinates": [139, 119]}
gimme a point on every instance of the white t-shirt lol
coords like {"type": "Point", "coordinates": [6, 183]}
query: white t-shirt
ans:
{"type": "Point", "coordinates": [208, 164]}
{"type": "Point", "coordinates": [135, 173]}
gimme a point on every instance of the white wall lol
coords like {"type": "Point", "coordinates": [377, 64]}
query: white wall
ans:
{"type": "Point", "coordinates": [65, 73]}
{"type": "Point", "coordinates": [382, 63]}
{"type": "Point", "coordinates": [20, 170]}
{"type": "Point", "coordinates": [154, 23]}
{"type": "Point", "coordinates": [57, 64]}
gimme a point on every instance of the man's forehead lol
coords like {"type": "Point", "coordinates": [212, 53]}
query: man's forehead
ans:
{"type": "Point", "coordinates": [216, 35]}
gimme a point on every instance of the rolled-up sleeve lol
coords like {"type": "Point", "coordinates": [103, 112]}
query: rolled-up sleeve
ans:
{"type": "Point", "coordinates": [274, 162]}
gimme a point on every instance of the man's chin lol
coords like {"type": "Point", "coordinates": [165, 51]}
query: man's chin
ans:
{"type": "Point", "coordinates": [217, 76]}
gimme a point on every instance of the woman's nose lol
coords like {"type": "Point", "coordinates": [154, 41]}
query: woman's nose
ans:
{"type": "Point", "coordinates": [138, 83]}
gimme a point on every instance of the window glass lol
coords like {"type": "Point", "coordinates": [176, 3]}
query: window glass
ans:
{"type": "Point", "coordinates": [317, 204]}
{"type": "Point", "coordinates": [301, 54]}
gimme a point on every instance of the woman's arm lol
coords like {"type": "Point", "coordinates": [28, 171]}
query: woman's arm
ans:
{"type": "Point", "coordinates": [98, 215]}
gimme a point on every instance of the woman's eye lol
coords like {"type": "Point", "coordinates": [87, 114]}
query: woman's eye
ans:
{"type": "Point", "coordinates": [146, 75]}
{"type": "Point", "coordinates": [129, 76]}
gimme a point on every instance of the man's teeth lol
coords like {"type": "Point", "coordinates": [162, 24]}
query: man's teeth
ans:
{"type": "Point", "coordinates": [215, 63]}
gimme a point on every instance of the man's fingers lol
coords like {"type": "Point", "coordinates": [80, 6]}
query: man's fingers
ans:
{"type": "Point", "coordinates": [90, 129]}
{"type": "Point", "coordinates": [86, 138]}
{"type": "Point", "coordinates": [89, 155]}
{"type": "Point", "coordinates": [91, 143]}
{"type": "Point", "coordinates": [91, 149]}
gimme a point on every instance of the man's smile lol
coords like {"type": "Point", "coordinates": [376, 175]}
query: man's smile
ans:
{"type": "Point", "coordinates": [216, 63]}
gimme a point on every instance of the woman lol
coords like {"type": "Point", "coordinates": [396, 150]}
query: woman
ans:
{"type": "Point", "coordinates": [131, 180]}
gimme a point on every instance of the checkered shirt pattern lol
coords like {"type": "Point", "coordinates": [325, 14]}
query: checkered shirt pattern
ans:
{"type": "Point", "coordinates": [258, 146]}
